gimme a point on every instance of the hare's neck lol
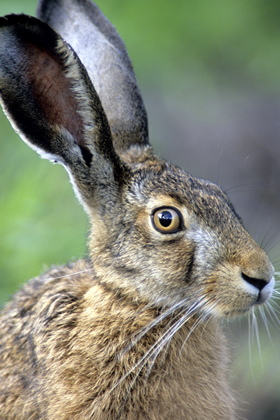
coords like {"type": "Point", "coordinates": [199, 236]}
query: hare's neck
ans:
{"type": "Point", "coordinates": [146, 360]}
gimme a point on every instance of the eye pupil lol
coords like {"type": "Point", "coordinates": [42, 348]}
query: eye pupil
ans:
{"type": "Point", "coordinates": [165, 218]}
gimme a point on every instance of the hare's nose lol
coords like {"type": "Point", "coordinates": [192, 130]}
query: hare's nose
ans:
{"type": "Point", "coordinates": [258, 283]}
{"type": "Point", "coordinates": [265, 287]}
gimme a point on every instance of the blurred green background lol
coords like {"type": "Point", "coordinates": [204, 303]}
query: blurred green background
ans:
{"type": "Point", "coordinates": [209, 75]}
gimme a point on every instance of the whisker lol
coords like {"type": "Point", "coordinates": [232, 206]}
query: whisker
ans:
{"type": "Point", "coordinates": [250, 345]}
{"type": "Point", "coordinates": [71, 274]}
{"type": "Point", "coordinates": [170, 332]}
{"type": "Point", "coordinates": [256, 331]}
{"type": "Point", "coordinates": [167, 336]}
{"type": "Point", "coordinates": [160, 318]}
{"type": "Point", "coordinates": [276, 292]}
{"type": "Point", "coordinates": [264, 318]}
{"type": "Point", "coordinates": [152, 353]}
{"type": "Point", "coordinates": [152, 324]}
{"type": "Point", "coordinates": [249, 331]}
{"type": "Point", "coordinates": [155, 349]}
{"type": "Point", "coordinates": [273, 305]}
{"type": "Point", "coordinates": [199, 320]}
{"type": "Point", "coordinates": [164, 341]}
{"type": "Point", "coordinates": [271, 311]}
{"type": "Point", "coordinates": [270, 238]}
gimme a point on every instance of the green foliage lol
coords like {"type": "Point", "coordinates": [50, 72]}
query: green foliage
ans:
{"type": "Point", "coordinates": [41, 223]}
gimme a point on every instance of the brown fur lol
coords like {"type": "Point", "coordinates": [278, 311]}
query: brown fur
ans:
{"type": "Point", "coordinates": [134, 332]}
{"type": "Point", "coordinates": [74, 334]}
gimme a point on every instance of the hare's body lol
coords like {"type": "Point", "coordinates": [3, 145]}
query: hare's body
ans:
{"type": "Point", "coordinates": [133, 333]}
{"type": "Point", "coordinates": [89, 330]}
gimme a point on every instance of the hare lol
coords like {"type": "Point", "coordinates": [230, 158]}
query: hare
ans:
{"type": "Point", "coordinates": [134, 331]}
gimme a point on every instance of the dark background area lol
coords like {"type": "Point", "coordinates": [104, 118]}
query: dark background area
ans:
{"type": "Point", "coordinates": [209, 72]}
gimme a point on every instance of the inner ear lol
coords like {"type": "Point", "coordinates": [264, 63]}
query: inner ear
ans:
{"type": "Point", "coordinates": [55, 93]}
{"type": "Point", "coordinates": [46, 91]}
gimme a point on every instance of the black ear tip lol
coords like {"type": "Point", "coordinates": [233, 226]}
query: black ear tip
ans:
{"type": "Point", "coordinates": [17, 19]}
{"type": "Point", "coordinates": [28, 29]}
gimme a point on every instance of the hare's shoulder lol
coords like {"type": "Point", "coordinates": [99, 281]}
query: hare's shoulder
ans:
{"type": "Point", "coordinates": [46, 295]}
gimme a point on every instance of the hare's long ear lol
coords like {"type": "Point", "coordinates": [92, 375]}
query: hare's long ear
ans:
{"type": "Point", "coordinates": [51, 102]}
{"type": "Point", "coordinates": [103, 53]}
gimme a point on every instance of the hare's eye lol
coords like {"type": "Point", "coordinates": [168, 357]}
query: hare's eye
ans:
{"type": "Point", "coordinates": [167, 220]}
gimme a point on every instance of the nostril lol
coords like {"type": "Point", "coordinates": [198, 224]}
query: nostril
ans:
{"type": "Point", "coordinates": [258, 283]}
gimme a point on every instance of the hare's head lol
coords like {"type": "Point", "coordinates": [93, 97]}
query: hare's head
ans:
{"type": "Point", "coordinates": [158, 234]}
{"type": "Point", "coordinates": [172, 238]}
